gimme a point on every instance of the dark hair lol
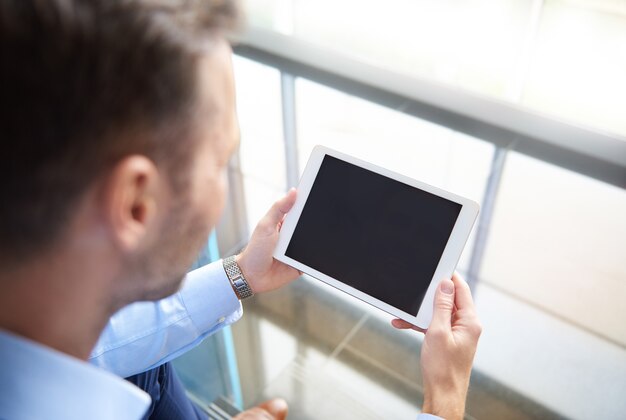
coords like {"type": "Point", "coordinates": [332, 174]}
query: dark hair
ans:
{"type": "Point", "coordinates": [85, 83]}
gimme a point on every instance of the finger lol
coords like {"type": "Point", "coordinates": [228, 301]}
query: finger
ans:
{"type": "Point", "coordinates": [277, 212]}
{"type": "Point", "coordinates": [280, 224]}
{"type": "Point", "coordinates": [254, 413]}
{"type": "Point", "coordinates": [403, 325]}
{"type": "Point", "coordinates": [281, 207]}
{"type": "Point", "coordinates": [285, 272]}
{"type": "Point", "coordinates": [400, 324]}
{"type": "Point", "coordinates": [463, 295]}
{"type": "Point", "coordinates": [443, 306]}
{"type": "Point", "coordinates": [277, 407]}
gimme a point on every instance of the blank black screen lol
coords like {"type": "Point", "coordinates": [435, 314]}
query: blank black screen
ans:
{"type": "Point", "coordinates": [378, 235]}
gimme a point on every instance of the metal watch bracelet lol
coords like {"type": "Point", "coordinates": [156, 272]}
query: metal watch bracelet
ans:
{"type": "Point", "coordinates": [237, 280]}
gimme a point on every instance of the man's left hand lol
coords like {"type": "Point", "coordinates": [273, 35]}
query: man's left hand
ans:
{"type": "Point", "coordinates": [259, 267]}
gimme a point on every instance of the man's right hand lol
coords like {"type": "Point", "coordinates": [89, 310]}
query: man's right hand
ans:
{"type": "Point", "coordinates": [448, 349]}
{"type": "Point", "coordinates": [275, 409]}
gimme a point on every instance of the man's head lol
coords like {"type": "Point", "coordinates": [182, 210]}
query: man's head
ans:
{"type": "Point", "coordinates": [117, 123]}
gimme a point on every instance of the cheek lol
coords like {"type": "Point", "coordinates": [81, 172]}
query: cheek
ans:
{"type": "Point", "coordinates": [215, 197]}
{"type": "Point", "coordinates": [222, 192]}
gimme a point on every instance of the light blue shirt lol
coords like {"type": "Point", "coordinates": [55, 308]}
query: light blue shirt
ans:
{"type": "Point", "coordinates": [37, 382]}
{"type": "Point", "coordinates": [144, 335]}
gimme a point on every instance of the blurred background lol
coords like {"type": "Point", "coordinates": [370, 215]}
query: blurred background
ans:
{"type": "Point", "coordinates": [519, 105]}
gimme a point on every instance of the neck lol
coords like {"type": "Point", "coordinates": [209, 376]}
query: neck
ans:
{"type": "Point", "coordinates": [54, 302]}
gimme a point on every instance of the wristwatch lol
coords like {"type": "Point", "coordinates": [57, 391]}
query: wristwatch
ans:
{"type": "Point", "coordinates": [237, 280]}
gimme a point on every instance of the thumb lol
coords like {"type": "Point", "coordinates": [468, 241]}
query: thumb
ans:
{"type": "Point", "coordinates": [279, 209]}
{"type": "Point", "coordinates": [443, 306]}
{"type": "Point", "coordinates": [277, 407]}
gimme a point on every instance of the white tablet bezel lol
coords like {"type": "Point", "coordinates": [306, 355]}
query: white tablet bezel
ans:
{"type": "Point", "coordinates": [447, 263]}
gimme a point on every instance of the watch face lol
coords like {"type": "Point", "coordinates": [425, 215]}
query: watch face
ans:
{"type": "Point", "coordinates": [239, 284]}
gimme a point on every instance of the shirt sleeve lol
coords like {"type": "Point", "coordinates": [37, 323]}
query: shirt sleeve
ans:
{"type": "Point", "coordinates": [144, 335]}
{"type": "Point", "coordinates": [425, 416]}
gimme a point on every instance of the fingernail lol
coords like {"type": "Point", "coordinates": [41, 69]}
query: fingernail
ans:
{"type": "Point", "coordinates": [447, 287]}
{"type": "Point", "coordinates": [277, 406]}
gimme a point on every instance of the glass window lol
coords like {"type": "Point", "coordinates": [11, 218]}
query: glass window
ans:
{"type": "Point", "coordinates": [552, 290]}
{"type": "Point", "coordinates": [262, 151]}
{"type": "Point", "coordinates": [578, 63]}
{"type": "Point", "coordinates": [560, 57]}
{"type": "Point", "coordinates": [558, 241]}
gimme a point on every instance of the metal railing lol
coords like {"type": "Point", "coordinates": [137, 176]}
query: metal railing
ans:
{"type": "Point", "coordinates": [507, 126]}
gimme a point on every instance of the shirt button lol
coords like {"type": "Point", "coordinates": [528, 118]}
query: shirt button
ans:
{"type": "Point", "coordinates": [222, 319]}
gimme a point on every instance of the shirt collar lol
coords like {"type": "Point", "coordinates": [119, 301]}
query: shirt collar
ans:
{"type": "Point", "coordinates": [39, 382]}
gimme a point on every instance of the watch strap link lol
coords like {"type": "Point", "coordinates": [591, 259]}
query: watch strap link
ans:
{"type": "Point", "coordinates": [237, 280]}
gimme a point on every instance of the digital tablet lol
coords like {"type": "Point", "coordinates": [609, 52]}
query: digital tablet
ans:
{"type": "Point", "coordinates": [380, 236]}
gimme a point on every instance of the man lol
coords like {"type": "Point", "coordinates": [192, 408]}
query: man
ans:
{"type": "Point", "coordinates": [118, 120]}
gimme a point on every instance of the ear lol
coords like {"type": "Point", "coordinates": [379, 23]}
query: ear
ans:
{"type": "Point", "coordinates": [132, 201]}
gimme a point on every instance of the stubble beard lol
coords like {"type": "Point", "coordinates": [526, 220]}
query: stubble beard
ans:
{"type": "Point", "coordinates": [159, 272]}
